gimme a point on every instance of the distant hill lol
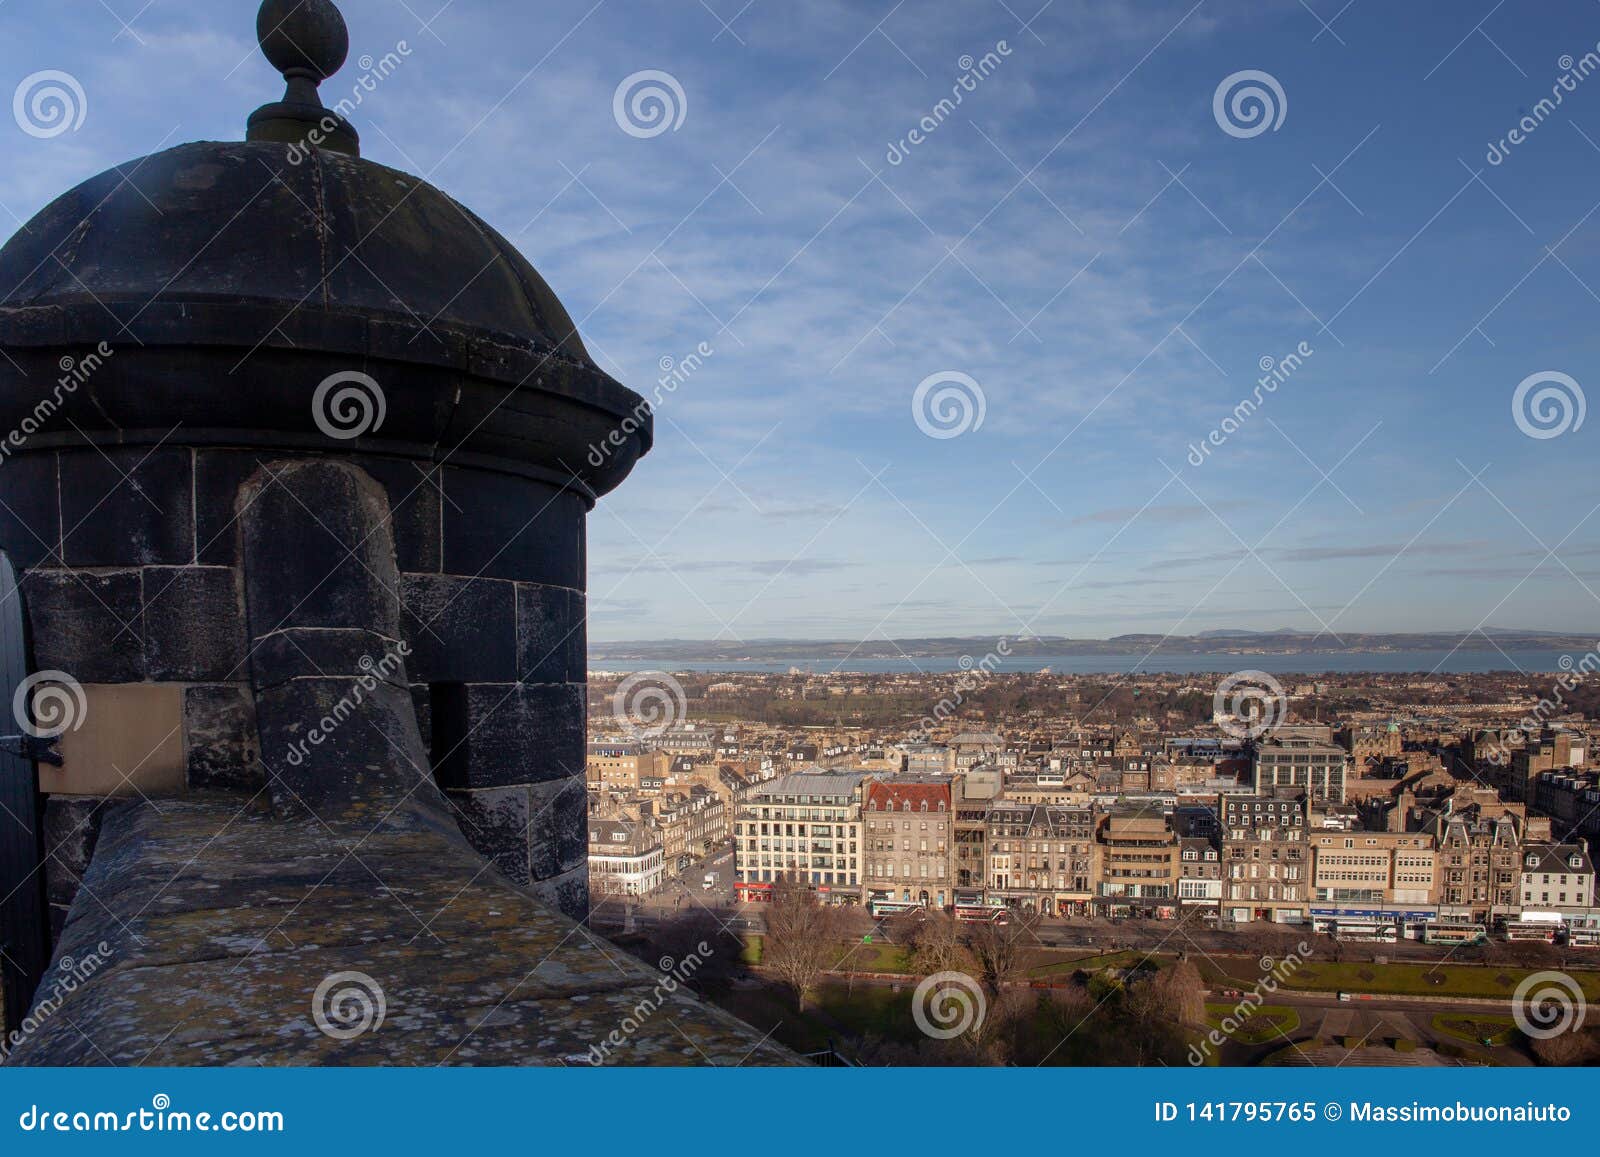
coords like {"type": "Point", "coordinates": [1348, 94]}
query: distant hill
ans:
{"type": "Point", "coordinates": [1284, 642]}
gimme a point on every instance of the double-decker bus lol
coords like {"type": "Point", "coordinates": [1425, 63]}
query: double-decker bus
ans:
{"type": "Point", "coordinates": [982, 914]}
{"type": "Point", "coordinates": [1581, 937]}
{"type": "Point", "coordinates": [880, 908]}
{"type": "Point", "coordinates": [1380, 931]}
{"type": "Point", "coordinates": [1454, 933]}
{"type": "Point", "coordinates": [1532, 931]}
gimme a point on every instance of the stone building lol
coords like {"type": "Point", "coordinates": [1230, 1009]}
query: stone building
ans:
{"type": "Point", "coordinates": [907, 840]}
{"type": "Point", "coordinates": [806, 826]}
{"type": "Point", "coordinates": [1199, 872]}
{"type": "Point", "coordinates": [1042, 858]}
{"type": "Point", "coordinates": [1556, 878]}
{"type": "Point", "coordinates": [301, 538]}
{"type": "Point", "coordinates": [1373, 875]}
{"type": "Point", "coordinates": [1136, 865]}
{"type": "Point", "coordinates": [1479, 862]}
{"type": "Point", "coordinates": [1266, 859]}
{"type": "Point", "coordinates": [690, 824]}
{"type": "Point", "coordinates": [1293, 761]}
{"type": "Point", "coordinates": [622, 765]}
{"type": "Point", "coordinates": [625, 857]}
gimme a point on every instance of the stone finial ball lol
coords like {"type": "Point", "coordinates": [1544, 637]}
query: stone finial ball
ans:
{"type": "Point", "coordinates": [303, 34]}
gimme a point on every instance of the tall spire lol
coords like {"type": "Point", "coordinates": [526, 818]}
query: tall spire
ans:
{"type": "Point", "coordinates": [307, 41]}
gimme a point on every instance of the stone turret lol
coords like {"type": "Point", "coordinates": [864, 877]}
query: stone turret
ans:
{"type": "Point", "coordinates": [184, 327]}
{"type": "Point", "coordinates": [300, 460]}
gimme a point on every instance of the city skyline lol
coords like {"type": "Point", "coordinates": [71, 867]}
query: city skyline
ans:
{"type": "Point", "coordinates": [1082, 238]}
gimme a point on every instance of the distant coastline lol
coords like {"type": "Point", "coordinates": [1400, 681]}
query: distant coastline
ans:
{"type": "Point", "coordinates": [1282, 653]}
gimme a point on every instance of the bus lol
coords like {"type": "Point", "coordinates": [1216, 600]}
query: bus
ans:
{"type": "Point", "coordinates": [1453, 933]}
{"type": "Point", "coordinates": [880, 907]}
{"type": "Point", "coordinates": [1373, 931]}
{"type": "Point", "coordinates": [982, 914]}
{"type": "Point", "coordinates": [1579, 937]}
{"type": "Point", "coordinates": [1531, 931]}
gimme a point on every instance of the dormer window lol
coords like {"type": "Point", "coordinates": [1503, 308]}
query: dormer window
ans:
{"type": "Point", "coordinates": [1533, 861]}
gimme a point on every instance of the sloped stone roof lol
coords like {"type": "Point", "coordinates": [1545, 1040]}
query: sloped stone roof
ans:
{"type": "Point", "coordinates": [218, 926]}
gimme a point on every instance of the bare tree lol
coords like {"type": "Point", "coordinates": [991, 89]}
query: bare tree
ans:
{"type": "Point", "coordinates": [1570, 1048]}
{"type": "Point", "coordinates": [802, 939]}
{"type": "Point", "coordinates": [934, 944]}
{"type": "Point", "coordinates": [1002, 950]}
{"type": "Point", "coordinates": [1179, 991]}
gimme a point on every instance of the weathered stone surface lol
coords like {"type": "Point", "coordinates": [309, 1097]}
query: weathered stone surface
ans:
{"type": "Point", "coordinates": [495, 822]}
{"type": "Point", "coordinates": [552, 640]}
{"type": "Point", "coordinates": [500, 526]}
{"type": "Point", "coordinates": [309, 652]}
{"type": "Point", "coordinates": [193, 624]}
{"type": "Point", "coordinates": [216, 957]}
{"type": "Point", "coordinates": [519, 733]}
{"type": "Point", "coordinates": [558, 831]}
{"type": "Point", "coordinates": [412, 490]}
{"type": "Point", "coordinates": [567, 893]}
{"type": "Point", "coordinates": [219, 726]}
{"type": "Point", "coordinates": [30, 518]}
{"type": "Point", "coordinates": [532, 833]}
{"type": "Point", "coordinates": [86, 624]}
{"type": "Point", "coordinates": [127, 506]}
{"type": "Point", "coordinates": [313, 553]}
{"type": "Point", "coordinates": [71, 828]}
{"type": "Point", "coordinates": [461, 629]}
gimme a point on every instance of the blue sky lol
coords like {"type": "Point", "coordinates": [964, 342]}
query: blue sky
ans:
{"type": "Point", "coordinates": [1081, 238]}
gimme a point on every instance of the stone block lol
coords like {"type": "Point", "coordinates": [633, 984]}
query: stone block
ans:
{"type": "Point", "coordinates": [30, 516]}
{"type": "Point", "coordinates": [523, 733]}
{"type": "Point", "coordinates": [128, 507]}
{"type": "Point", "coordinates": [499, 526]}
{"type": "Point", "coordinates": [88, 625]}
{"type": "Point", "coordinates": [219, 726]}
{"type": "Point", "coordinates": [461, 630]}
{"type": "Point", "coordinates": [193, 624]}
{"type": "Point", "coordinates": [552, 639]}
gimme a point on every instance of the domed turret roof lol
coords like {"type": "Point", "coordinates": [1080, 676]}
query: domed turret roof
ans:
{"type": "Point", "coordinates": [333, 238]}
{"type": "Point", "coordinates": [240, 274]}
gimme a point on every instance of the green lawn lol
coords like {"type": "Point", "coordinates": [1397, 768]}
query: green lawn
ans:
{"type": "Point", "coordinates": [1474, 1029]}
{"type": "Point", "coordinates": [1268, 1023]}
{"type": "Point", "coordinates": [1488, 981]}
{"type": "Point", "coordinates": [1058, 966]}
